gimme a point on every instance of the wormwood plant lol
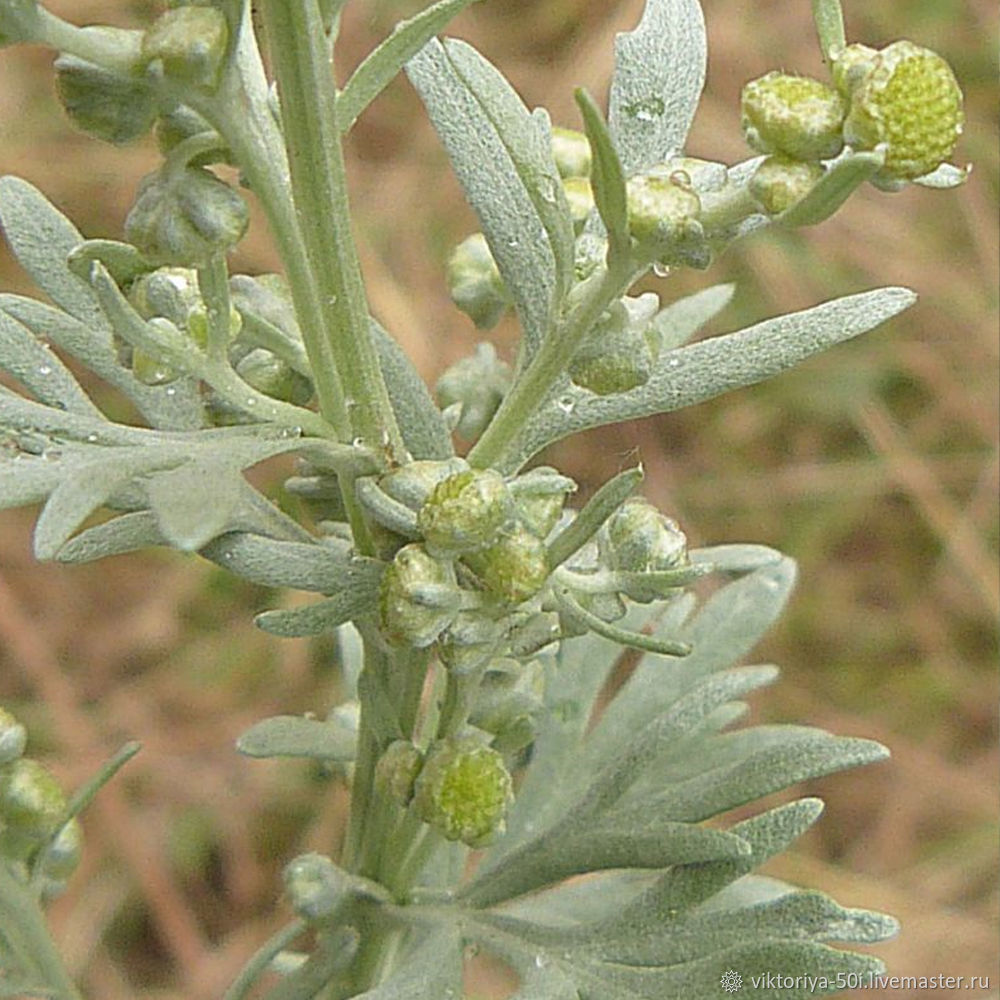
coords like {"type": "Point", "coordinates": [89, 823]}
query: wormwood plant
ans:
{"type": "Point", "coordinates": [478, 613]}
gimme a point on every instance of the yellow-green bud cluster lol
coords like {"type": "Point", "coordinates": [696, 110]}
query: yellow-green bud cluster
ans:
{"type": "Point", "coordinates": [793, 116]}
{"type": "Point", "coordinates": [418, 597]}
{"type": "Point", "coordinates": [639, 539]}
{"type": "Point", "coordinates": [397, 769]}
{"type": "Point", "coordinates": [465, 512]}
{"type": "Point", "coordinates": [909, 100]}
{"type": "Point", "coordinates": [514, 567]}
{"type": "Point", "coordinates": [34, 829]}
{"type": "Point", "coordinates": [463, 791]}
{"type": "Point", "coordinates": [903, 99]}
{"type": "Point", "coordinates": [571, 152]}
{"type": "Point", "coordinates": [662, 213]}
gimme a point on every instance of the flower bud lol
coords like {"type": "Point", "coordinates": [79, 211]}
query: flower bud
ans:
{"type": "Point", "coordinates": [474, 282]}
{"type": "Point", "coordinates": [62, 855]}
{"type": "Point", "coordinates": [794, 116]}
{"type": "Point", "coordinates": [316, 887]}
{"type": "Point", "coordinates": [397, 770]}
{"type": "Point", "coordinates": [181, 123]}
{"type": "Point", "coordinates": [268, 374]}
{"type": "Point", "coordinates": [150, 370]}
{"type": "Point", "coordinates": [477, 384]}
{"type": "Point", "coordinates": [909, 100]}
{"type": "Point", "coordinates": [413, 483]}
{"type": "Point", "coordinates": [32, 806]}
{"type": "Point", "coordinates": [189, 43]}
{"type": "Point", "coordinates": [170, 292]}
{"type": "Point", "coordinates": [184, 217]}
{"type": "Point", "coordinates": [109, 106]}
{"type": "Point", "coordinates": [514, 568]}
{"type": "Point", "coordinates": [539, 495]}
{"type": "Point", "coordinates": [13, 737]}
{"type": "Point", "coordinates": [463, 791]}
{"type": "Point", "coordinates": [641, 539]}
{"type": "Point", "coordinates": [418, 598]}
{"type": "Point", "coordinates": [851, 66]}
{"type": "Point", "coordinates": [580, 198]}
{"type": "Point", "coordinates": [779, 183]}
{"type": "Point", "coordinates": [571, 152]}
{"type": "Point", "coordinates": [663, 216]}
{"type": "Point", "coordinates": [465, 512]}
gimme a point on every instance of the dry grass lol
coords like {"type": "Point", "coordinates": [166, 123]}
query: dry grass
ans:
{"type": "Point", "coordinates": [876, 467]}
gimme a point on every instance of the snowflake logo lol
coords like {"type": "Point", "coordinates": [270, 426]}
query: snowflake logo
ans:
{"type": "Point", "coordinates": [731, 981]}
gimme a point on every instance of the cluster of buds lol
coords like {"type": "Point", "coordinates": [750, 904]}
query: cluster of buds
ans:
{"type": "Point", "coordinates": [903, 100]}
{"type": "Point", "coordinates": [480, 544]}
{"type": "Point", "coordinates": [35, 834]}
{"type": "Point", "coordinates": [461, 787]}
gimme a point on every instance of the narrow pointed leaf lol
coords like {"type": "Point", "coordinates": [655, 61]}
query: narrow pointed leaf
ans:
{"type": "Point", "coordinates": [296, 565]}
{"type": "Point", "coordinates": [513, 230]}
{"type": "Point", "coordinates": [839, 182]}
{"type": "Point", "coordinates": [657, 83]}
{"type": "Point", "coordinates": [829, 18]}
{"type": "Point", "coordinates": [380, 66]}
{"type": "Point", "coordinates": [711, 367]}
{"type": "Point", "coordinates": [607, 177]}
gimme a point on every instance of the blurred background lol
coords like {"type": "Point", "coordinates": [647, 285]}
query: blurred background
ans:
{"type": "Point", "coordinates": [875, 466]}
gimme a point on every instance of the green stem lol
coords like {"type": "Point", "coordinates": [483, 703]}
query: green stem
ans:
{"type": "Point", "coordinates": [301, 63]}
{"type": "Point", "coordinates": [535, 384]}
{"type": "Point", "coordinates": [213, 283]}
{"type": "Point", "coordinates": [262, 958]}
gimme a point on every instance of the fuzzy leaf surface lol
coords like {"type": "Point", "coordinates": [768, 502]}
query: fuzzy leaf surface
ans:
{"type": "Point", "coordinates": [657, 83]}
{"type": "Point", "coordinates": [297, 736]}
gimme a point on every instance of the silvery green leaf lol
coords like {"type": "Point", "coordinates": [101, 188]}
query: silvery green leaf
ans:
{"type": "Point", "coordinates": [424, 431]}
{"type": "Point", "coordinates": [529, 148]}
{"type": "Point", "coordinates": [946, 176]}
{"type": "Point", "coordinates": [356, 597]}
{"type": "Point", "coordinates": [381, 65]}
{"type": "Point", "coordinates": [489, 177]}
{"type": "Point", "coordinates": [139, 529]}
{"type": "Point", "coordinates": [86, 486]}
{"type": "Point", "coordinates": [27, 479]}
{"type": "Point", "coordinates": [42, 238]}
{"type": "Point", "coordinates": [298, 736]}
{"type": "Point", "coordinates": [28, 955]}
{"type": "Point", "coordinates": [829, 18]}
{"type": "Point", "coordinates": [724, 630]}
{"type": "Point", "coordinates": [194, 502]}
{"type": "Point", "coordinates": [674, 325]}
{"type": "Point", "coordinates": [333, 953]}
{"type": "Point", "coordinates": [708, 368]}
{"type": "Point", "coordinates": [122, 260]}
{"type": "Point", "coordinates": [39, 370]}
{"type": "Point", "coordinates": [595, 846]}
{"type": "Point", "coordinates": [273, 563]}
{"type": "Point", "coordinates": [607, 177]}
{"type": "Point", "coordinates": [736, 558]}
{"type": "Point", "coordinates": [838, 183]}
{"type": "Point", "coordinates": [657, 83]}
{"type": "Point", "coordinates": [432, 969]}
{"type": "Point", "coordinates": [177, 406]}
{"type": "Point", "coordinates": [20, 414]}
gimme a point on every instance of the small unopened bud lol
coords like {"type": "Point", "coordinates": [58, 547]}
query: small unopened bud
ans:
{"type": "Point", "coordinates": [184, 217]}
{"type": "Point", "coordinates": [150, 370]}
{"type": "Point", "coordinates": [32, 806]}
{"type": "Point", "coordinates": [110, 106]}
{"type": "Point", "coordinates": [851, 66]}
{"type": "Point", "coordinates": [316, 887]}
{"type": "Point", "coordinates": [465, 512]}
{"type": "Point", "coordinates": [641, 539]}
{"type": "Point", "coordinates": [580, 198]}
{"type": "Point", "coordinates": [909, 100]}
{"type": "Point", "coordinates": [540, 495]}
{"type": "Point", "coordinates": [794, 116]}
{"type": "Point", "coordinates": [13, 737]}
{"type": "Point", "coordinates": [477, 384]}
{"type": "Point", "coordinates": [181, 123]}
{"type": "Point", "coordinates": [413, 483]}
{"type": "Point", "coordinates": [474, 282]}
{"type": "Point", "coordinates": [463, 791]}
{"type": "Point", "coordinates": [170, 292]}
{"type": "Point", "coordinates": [571, 152]}
{"type": "Point", "coordinates": [397, 770]}
{"type": "Point", "coordinates": [268, 374]}
{"type": "Point", "coordinates": [189, 43]}
{"type": "Point", "coordinates": [779, 183]}
{"type": "Point", "coordinates": [618, 355]}
{"type": "Point", "coordinates": [514, 568]}
{"type": "Point", "coordinates": [62, 856]}
{"type": "Point", "coordinates": [663, 216]}
{"type": "Point", "coordinates": [418, 598]}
